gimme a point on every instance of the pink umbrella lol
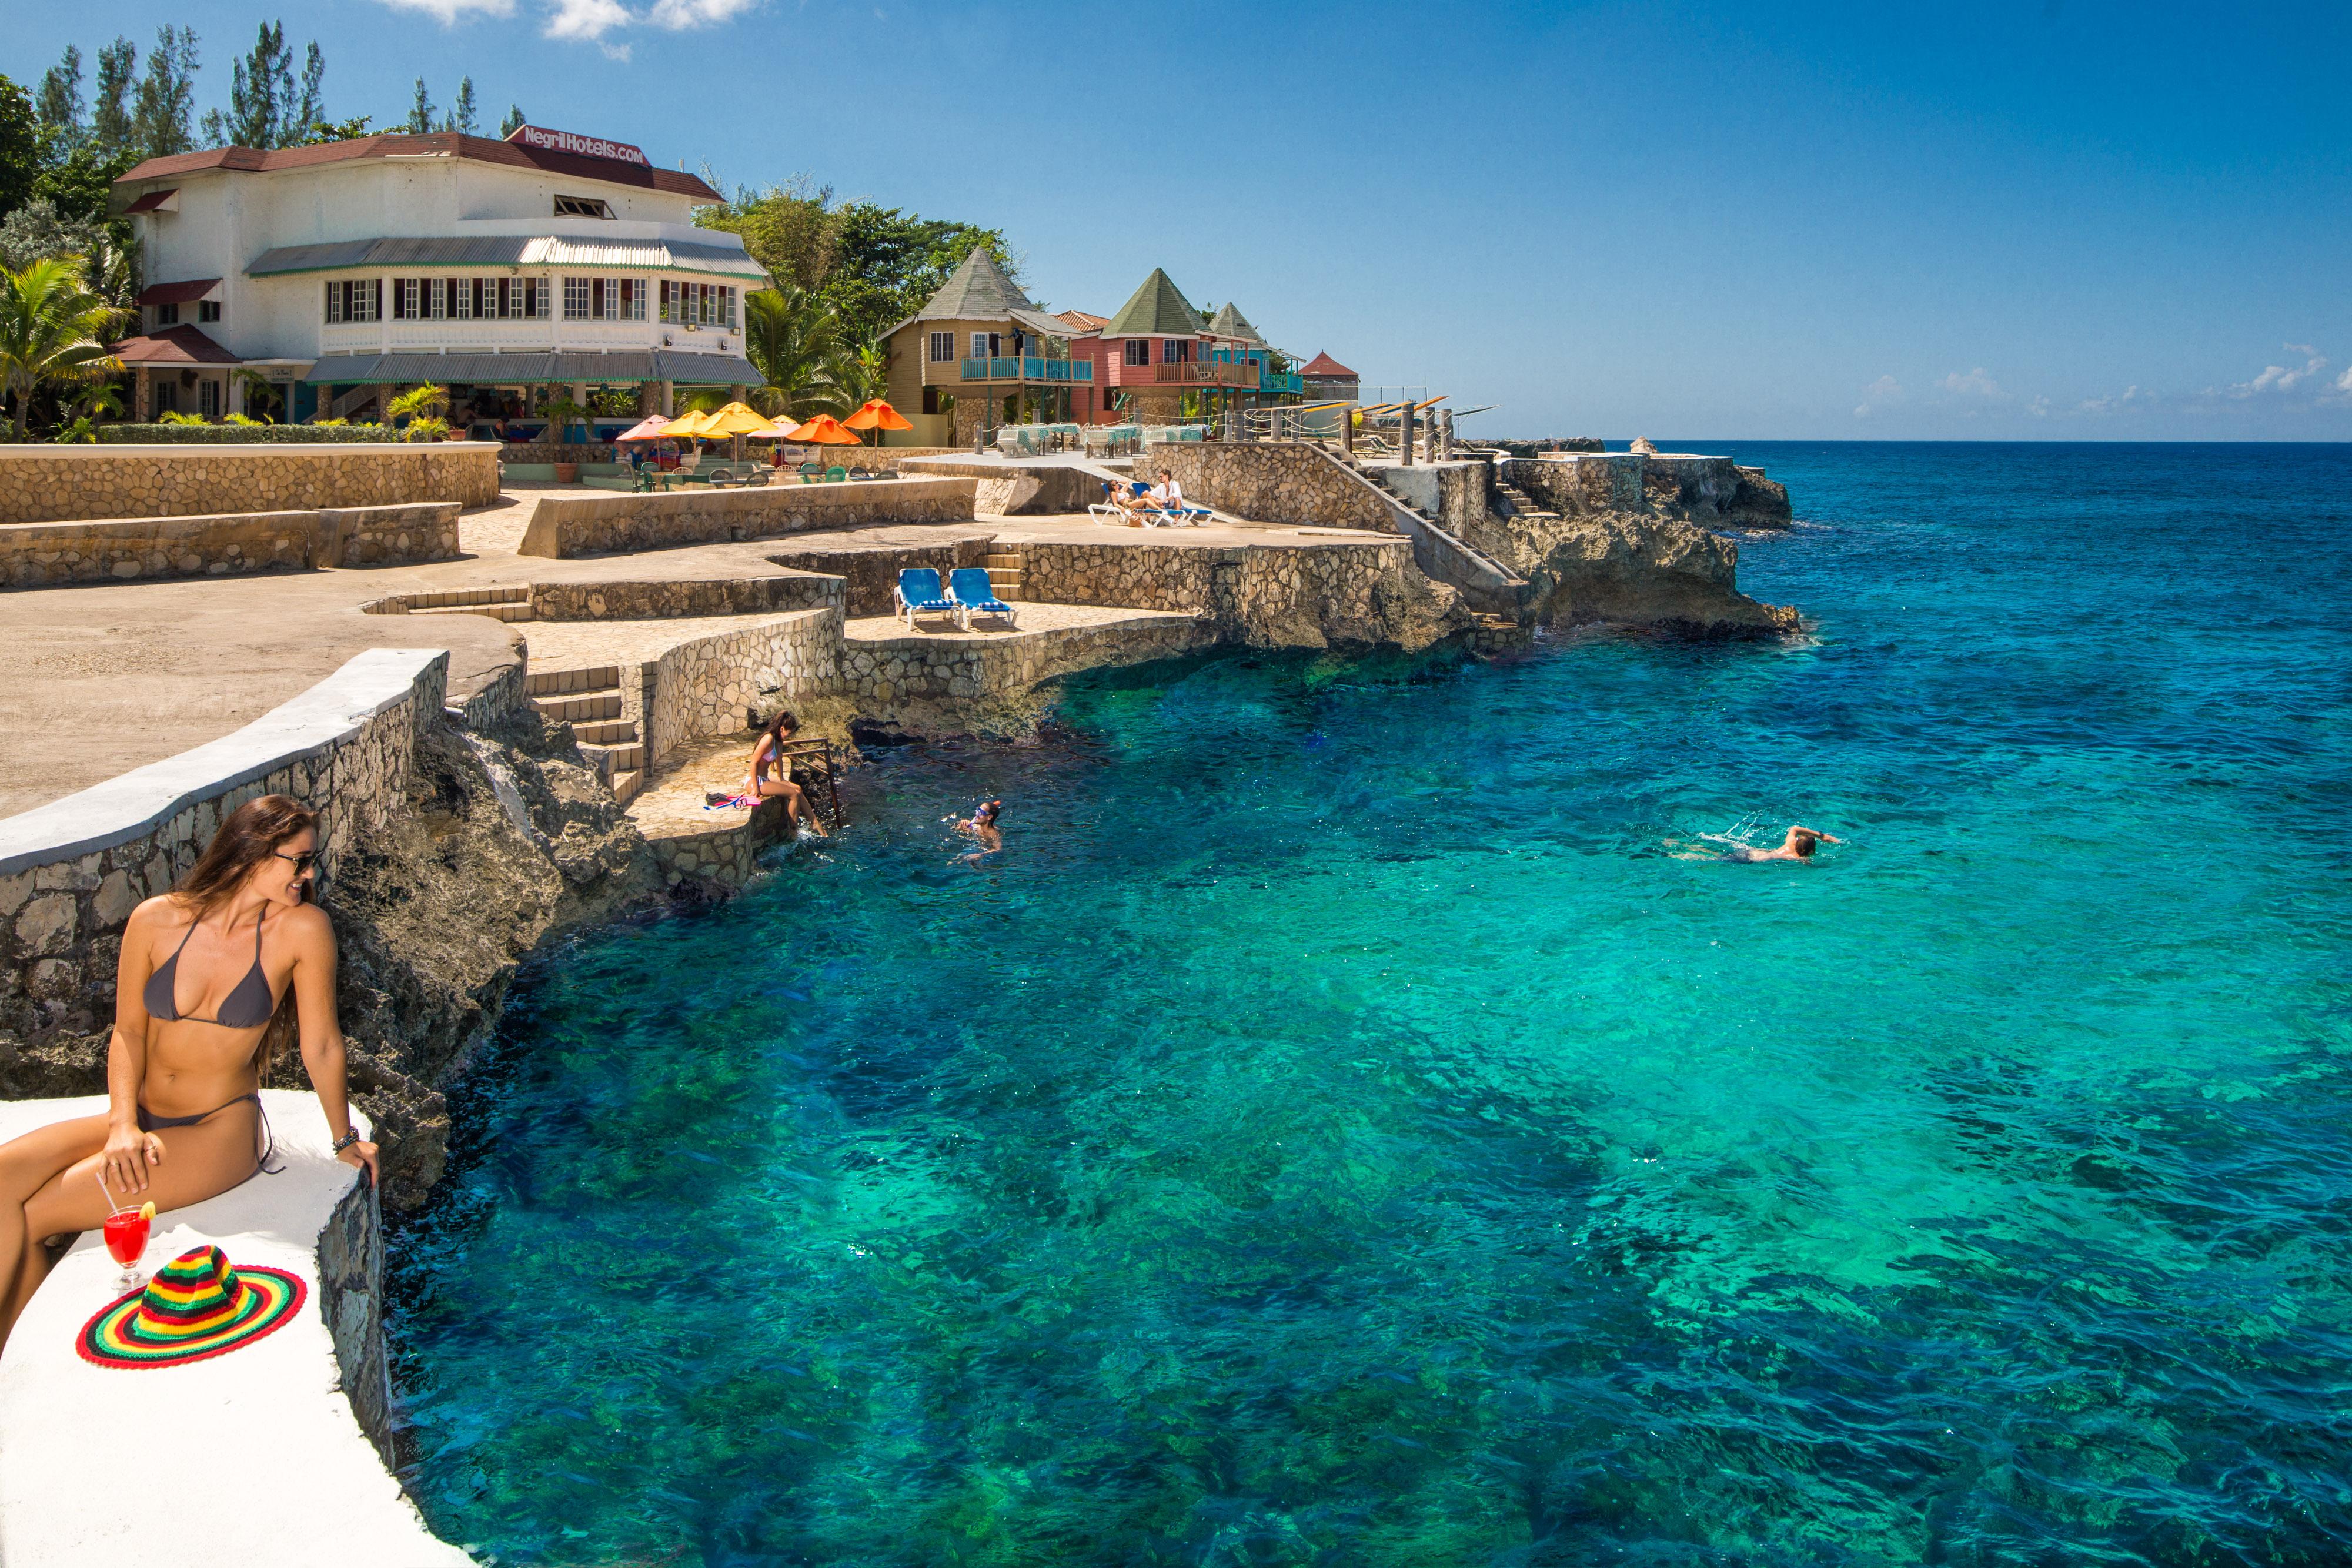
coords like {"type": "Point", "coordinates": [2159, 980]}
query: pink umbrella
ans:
{"type": "Point", "coordinates": [647, 429]}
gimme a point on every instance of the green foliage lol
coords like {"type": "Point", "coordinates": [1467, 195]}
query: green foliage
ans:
{"type": "Point", "coordinates": [241, 419]}
{"type": "Point", "coordinates": [350, 130]}
{"type": "Point", "coordinates": [81, 432]}
{"type": "Point", "coordinates": [163, 111]}
{"type": "Point", "coordinates": [875, 266]}
{"type": "Point", "coordinates": [20, 147]}
{"type": "Point", "coordinates": [425, 428]}
{"type": "Point", "coordinates": [111, 127]}
{"type": "Point", "coordinates": [793, 340]}
{"type": "Point", "coordinates": [266, 109]}
{"type": "Point", "coordinates": [174, 416]}
{"type": "Point", "coordinates": [59, 104]}
{"type": "Point", "coordinates": [461, 118]}
{"type": "Point", "coordinates": [425, 402]}
{"type": "Point", "coordinates": [420, 111]}
{"type": "Point", "coordinates": [512, 122]}
{"type": "Point", "coordinates": [53, 331]}
{"type": "Point", "coordinates": [190, 431]}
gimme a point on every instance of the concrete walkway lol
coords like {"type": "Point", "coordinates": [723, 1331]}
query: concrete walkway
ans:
{"type": "Point", "coordinates": [108, 677]}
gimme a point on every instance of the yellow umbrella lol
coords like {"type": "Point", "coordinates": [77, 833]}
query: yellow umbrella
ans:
{"type": "Point", "coordinates": [687, 424]}
{"type": "Point", "coordinates": [735, 419]}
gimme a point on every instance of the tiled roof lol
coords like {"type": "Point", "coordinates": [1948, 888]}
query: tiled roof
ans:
{"type": "Point", "coordinates": [177, 293]}
{"type": "Point", "coordinates": [1325, 365]}
{"type": "Point", "coordinates": [1084, 320]}
{"type": "Point", "coordinates": [173, 346]}
{"type": "Point", "coordinates": [1156, 308]}
{"type": "Point", "coordinates": [440, 145]}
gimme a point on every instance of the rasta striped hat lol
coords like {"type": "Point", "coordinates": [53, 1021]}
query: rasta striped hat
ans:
{"type": "Point", "coordinates": [195, 1306]}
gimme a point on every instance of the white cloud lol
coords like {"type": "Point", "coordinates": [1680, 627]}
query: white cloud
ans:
{"type": "Point", "coordinates": [1878, 394]}
{"type": "Point", "coordinates": [2282, 378]}
{"type": "Point", "coordinates": [2130, 397]}
{"type": "Point", "coordinates": [2039, 408]}
{"type": "Point", "coordinates": [587, 20]}
{"type": "Point", "coordinates": [1976, 384]}
{"type": "Point", "coordinates": [447, 12]}
{"type": "Point", "coordinates": [678, 16]}
{"type": "Point", "coordinates": [2344, 382]}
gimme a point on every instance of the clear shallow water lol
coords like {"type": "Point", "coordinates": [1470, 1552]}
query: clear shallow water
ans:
{"type": "Point", "coordinates": [1337, 1132]}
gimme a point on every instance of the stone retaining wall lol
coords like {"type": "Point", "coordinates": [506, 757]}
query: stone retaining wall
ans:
{"type": "Point", "coordinates": [565, 526]}
{"type": "Point", "coordinates": [1346, 590]}
{"type": "Point", "coordinates": [649, 601]}
{"type": "Point", "coordinates": [65, 484]}
{"type": "Point", "coordinates": [887, 675]}
{"type": "Point", "coordinates": [72, 870]}
{"type": "Point", "coordinates": [873, 574]}
{"type": "Point", "coordinates": [43, 554]}
{"type": "Point", "coordinates": [1457, 493]}
{"type": "Point", "coordinates": [1291, 482]}
{"type": "Point", "coordinates": [706, 687]}
{"type": "Point", "coordinates": [1707, 491]}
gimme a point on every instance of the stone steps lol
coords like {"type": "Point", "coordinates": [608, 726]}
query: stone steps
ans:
{"type": "Point", "coordinates": [589, 700]}
{"type": "Point", "coordinates": [1005, 575]}
{"type": "Point", "coordinates": [1521, 507]}
{"type": "Point", "coordinates": [495, 611]}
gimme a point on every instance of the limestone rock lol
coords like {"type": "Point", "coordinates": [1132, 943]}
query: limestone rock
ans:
{"type": "Point", "coordinates": [1642, 445]}
{"type": "Point", "coordinates": [1625, 569]}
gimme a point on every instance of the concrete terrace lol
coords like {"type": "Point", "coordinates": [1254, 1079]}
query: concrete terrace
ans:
{"type": "Point", "coordinates": [108, 677]}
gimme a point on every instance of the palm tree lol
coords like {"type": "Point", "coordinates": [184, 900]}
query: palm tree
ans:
{"type": "Point", "coordinates": [425, 401]}
{"type": "Point", "coordinates": [52, 329]}
{"type": "Point", "coordinates": [794, 340]}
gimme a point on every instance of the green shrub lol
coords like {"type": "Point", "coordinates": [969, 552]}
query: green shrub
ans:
{"type": "Point", "coordinates": [237, 435]}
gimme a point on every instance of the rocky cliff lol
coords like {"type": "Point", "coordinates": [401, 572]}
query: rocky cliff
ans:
{"type": "Point", "coordinates": [1632, 569]}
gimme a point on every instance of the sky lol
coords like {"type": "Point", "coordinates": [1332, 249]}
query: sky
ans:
{"type": "Point", "coordinates": [2013, 219]}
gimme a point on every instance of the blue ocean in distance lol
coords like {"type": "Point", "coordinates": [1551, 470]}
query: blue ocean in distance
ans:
{"type": "Point", "coordinates": [1341, 1130]}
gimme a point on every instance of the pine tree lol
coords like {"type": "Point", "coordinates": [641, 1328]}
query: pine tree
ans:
{"type": "Point", "coordinates": [59, 103]}
{"type": "Point", "coordinates": [420, 112]}
{"type": "Point", "coordinates": [260, 96]}
{"type": "Point", "coordinates": [463, 118]}
{"type": "Point", "coordinates": [512, 122]}
{"type": "Point", "coordinates": [111, 127]}
{"type": "Point", "coordinates": [163, 121]}
{"type": "Point", "coordinates": [310, 113]}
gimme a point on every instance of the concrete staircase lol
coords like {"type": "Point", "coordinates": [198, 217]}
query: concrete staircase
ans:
{"type": "Point", "coordinates": [590, 702]}
{"type": "Point", "coordinates": [1518, 505]}
{"type": "Point", "coordinates": [498, 604]}
{"type": "Point", "coordinates": [1004, 563]}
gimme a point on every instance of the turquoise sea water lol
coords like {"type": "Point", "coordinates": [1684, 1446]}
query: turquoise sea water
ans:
{"type": "Point", "coordinates": [1338, 1130]}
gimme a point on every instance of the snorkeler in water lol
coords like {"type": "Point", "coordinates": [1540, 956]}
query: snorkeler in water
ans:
{"type": "Point", "coordinates": [981, 826]}
{"type": "Point", "coordinates": [1797, 844]}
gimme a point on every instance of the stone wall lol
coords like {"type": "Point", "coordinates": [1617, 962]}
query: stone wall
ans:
{"type": "Point", "coordinates": [888, 675]}
{"type": "Point", "coordinates": [1006, 489]}
{"type": "Point", "coordinates": [873, 574]}
{"type": "Point", "coordinates": [72, 870]}
{"type": "Point", "coordinates": [1707, 491]}
{"type": "Point", "coordinates": [705, 687]}
{"type": "Point", "coordinates": [44, 554]}
{"type": "Point", "coordinates": [1457, 493]}
{"type": "Point", "coordinates": [597, 523]}
{"type": "Point", "coordinates": [653, 601]}
{"type": "Point", "coordinates": [65, 484]}
{"type": "Point", "coordinates": [1288, 482]}
{"type": "Point", "coordinates": [1343, 591]}
{"type": "Point", "coordinates": [351, 1299]}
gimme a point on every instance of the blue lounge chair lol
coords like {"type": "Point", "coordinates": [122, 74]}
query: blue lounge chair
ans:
{"type": "Point", "coordinates": [918, 594]}
{"type": "Point", "coordinates": [975, 595]}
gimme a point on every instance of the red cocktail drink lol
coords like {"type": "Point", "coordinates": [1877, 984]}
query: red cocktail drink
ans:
{"type": "Point", "coordinates": [126, 1238]}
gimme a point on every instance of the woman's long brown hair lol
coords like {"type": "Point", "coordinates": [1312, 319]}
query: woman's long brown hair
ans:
{"type": "Point", "coordinates": [249, 835]}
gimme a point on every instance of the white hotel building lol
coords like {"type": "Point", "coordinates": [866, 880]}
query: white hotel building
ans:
{"type": "Point", "coordinates": [336, 275]}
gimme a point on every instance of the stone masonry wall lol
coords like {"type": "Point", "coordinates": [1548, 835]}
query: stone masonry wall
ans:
{"type": "Point", "coordinates": [1287, 482]}
{"type": "Point", "coordinates": [885, 676]}
{"type": "Point", "coordinates": [1344, 592]}
{"type": "Point", "coordinates": [873, 574]}
{"type": "Point", "coordinates": [578, 525]}
{"type": "Point", "coordinates": [705, 687]}
{"type": "Point", "coordinates": [652, 600]}
{"type": "Point", "coordinates": [121, 549]}
{"type": "Point", "coordinates": [65, 484]}
{"type": "Point", "coordinates": [61, 918]}
{"type": "Point", "coordinates": [1707, 491]}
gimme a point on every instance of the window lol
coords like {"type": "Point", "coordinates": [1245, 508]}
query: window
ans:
{"type": "Point", "coordinates": [1175, 350]}
{"type": "Point", "coordinates": [942, 348]}
{"type": "Point", "coordinates": [727, 309]}
{"type": "Point", "coordinates": [167, 397]}
{"type": "Point", "coordinates": [404, 293]}
{"type": "Point", "coordinates": [167, 315]}
{"type": "Point", "coordinates": [355, 300]}
{"type": "Point", "coordinates": [575, 299]}
{"type": "Point", "coordinates": [633, 298]}
{"type": "Point", "coordinates": [208, 399]}
{"type": "Point", "coordinates": [1139, 351]}
{"type": "Point", "coordinates": [208, 310]}
{"type": "Point", "coordinates": [537, 298]}
{"type": "Point", "coordinates": [581, 207]}
{"type": "Point", "coordinates": [437, 299]}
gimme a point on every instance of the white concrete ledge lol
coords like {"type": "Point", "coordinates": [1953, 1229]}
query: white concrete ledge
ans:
{"type": "Point", "coordinates": [251, 1459]}
{"type": "Point", "coordinates": [134, 804]}
{"type": "Point", "coordinates": [240, 449]}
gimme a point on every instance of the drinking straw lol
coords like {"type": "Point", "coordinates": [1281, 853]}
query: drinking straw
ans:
{"type": "Point", "coordinates": [99, 1173]}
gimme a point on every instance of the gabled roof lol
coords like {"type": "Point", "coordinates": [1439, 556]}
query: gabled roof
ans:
{"type": "Point", "coordinates": [1155, 308]}
{"type": "Point", "coordinates": [1325, 365]}
{"type": "Point", "coordinates": [1232, 323]}
{"type": "Point", "coordinates": [1084, 321]}
{"type": "Point", "coordinates": [172, 346]}
{"type": "Point", "coordinates": [438, 144]}
{"type": "Point", "coordinates": [1039, 324]}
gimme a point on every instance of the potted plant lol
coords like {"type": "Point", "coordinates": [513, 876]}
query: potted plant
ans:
{"type": "Point", "coordinates": [562, 416]}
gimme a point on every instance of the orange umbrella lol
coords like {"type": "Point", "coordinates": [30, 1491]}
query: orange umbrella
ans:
{"type": "Point", "coordinates": [825, 430]}
{"type": "Point", "coordinates": [876, 414]}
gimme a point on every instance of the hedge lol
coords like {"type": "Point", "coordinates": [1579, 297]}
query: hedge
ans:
{"type": "Point", "coordinates": [233, 434]}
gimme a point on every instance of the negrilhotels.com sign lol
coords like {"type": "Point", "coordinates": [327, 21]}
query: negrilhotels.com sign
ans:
{"type": "Point", "coordinates": [581, 146]}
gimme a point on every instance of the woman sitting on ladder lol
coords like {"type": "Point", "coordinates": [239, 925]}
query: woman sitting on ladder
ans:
{"type": "Point", "coordinates": [207, 971]}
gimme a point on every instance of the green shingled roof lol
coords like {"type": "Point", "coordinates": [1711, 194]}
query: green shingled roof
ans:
{"type": "Point", "coordinates": [1232, 323]}
{"type": "Point", "coordinates": [1156, 308]}
{"type": "Point", "coordinates": [976, 292]}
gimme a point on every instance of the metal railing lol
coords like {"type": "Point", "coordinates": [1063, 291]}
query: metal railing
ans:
{"type": "Point", "coordinates": [1027, 367]}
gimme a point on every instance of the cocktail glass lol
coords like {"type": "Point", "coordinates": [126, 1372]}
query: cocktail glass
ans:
{"type": "Point", "coordinates": [126, 1238]}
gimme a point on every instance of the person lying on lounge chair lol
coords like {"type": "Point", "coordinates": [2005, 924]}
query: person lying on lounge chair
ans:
{"type": "Point", "coordinates": [1166, 495]}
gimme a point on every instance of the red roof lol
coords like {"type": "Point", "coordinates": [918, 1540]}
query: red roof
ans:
{"type": "Point", "coordinates": [151, 200]}
{"type": "Point", "coordinates": [1085, 321]}
{"type": "Point", "coordinates": [173, 346]}
{"type": "Point", "coordinates": [177, 293]}
{"type": "Point", "coordinates": [1325, 365]}
{"type": "Point", "coordinates": [442, 143]}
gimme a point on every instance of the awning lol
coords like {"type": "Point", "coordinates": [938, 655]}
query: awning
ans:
{"type": "Point", "coordinates": [1042, 325]}
{"type": "Point", "coordinates": [186, 293]}
{"type": "Point", "coordinates": [513, 250]}
{"type": "Point", "coordinates": [172, 346]}
{"type": "Point", "coordinates": [153, 201]}
{"type": "Point", "coordinates": [532, 369]}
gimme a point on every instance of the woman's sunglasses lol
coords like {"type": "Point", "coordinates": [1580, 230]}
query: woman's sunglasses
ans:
{"type": "Point", "coordinates": [302, 862]}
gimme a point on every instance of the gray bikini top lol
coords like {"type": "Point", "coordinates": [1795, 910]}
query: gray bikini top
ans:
{"type": "Point", "coordinates": [248, 1007]}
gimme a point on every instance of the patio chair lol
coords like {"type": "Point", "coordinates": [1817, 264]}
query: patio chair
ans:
{"type": "Point", "coordinates": [836, 475]}
{"type": "Point", "coordinates": [974, 594]}
{"type": "Point", "coordinates": [918, 594]}
{"type": "Point", "coordinates": [811, 473]}
{"type": "Point", "coordinates": [721, 477]}
{"type": "Point", "coordinates": [1107, 510]}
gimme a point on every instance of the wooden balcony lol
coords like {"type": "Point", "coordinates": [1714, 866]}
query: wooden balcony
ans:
{"type": "Point", "coordinates": [1011, 370]}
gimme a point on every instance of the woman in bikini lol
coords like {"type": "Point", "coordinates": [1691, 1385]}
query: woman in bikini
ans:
{"type": "Point", "coordinates": [772, 773]}
{"type": "Point", "coordinates": [205, 970]}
